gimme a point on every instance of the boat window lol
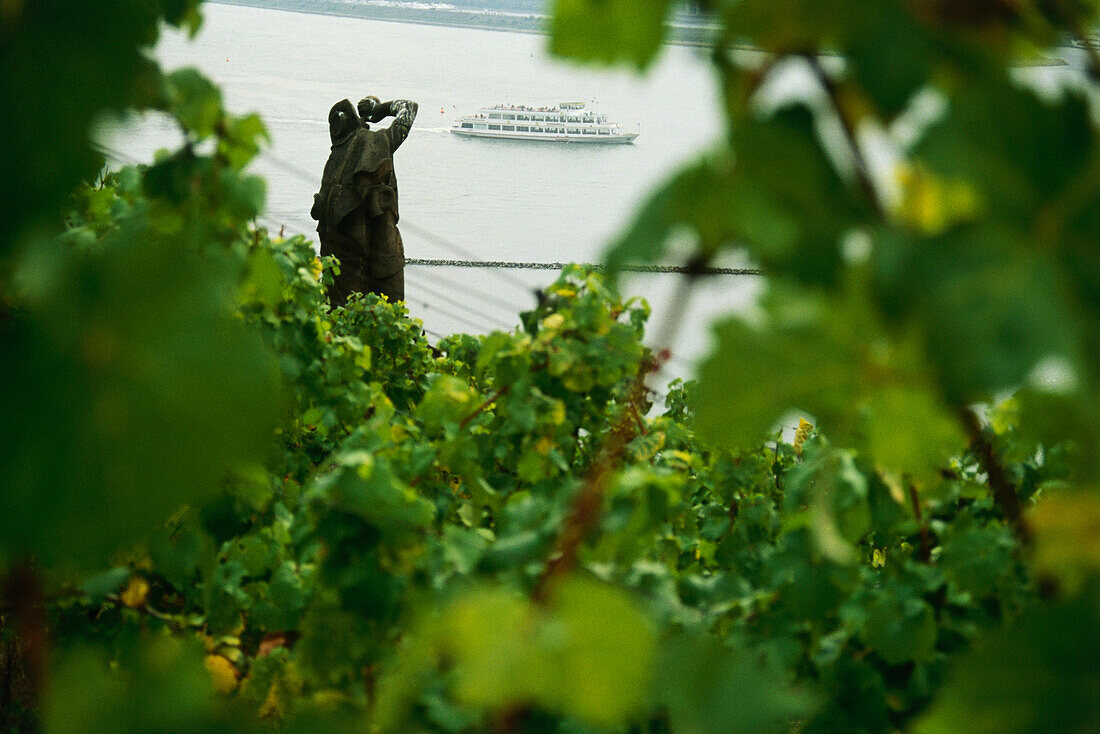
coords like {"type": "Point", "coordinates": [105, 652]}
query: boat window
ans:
{"type": "Point", "coordinates": [467, 125]}
{"type": "Point", "coordinates": [605, 132]}
{"type": "Point", "coordinates": [479, 126]}
{"type": "Point", "coordinates": [523, 128]}
{"type": "Point", "coordinates": [510, 128]}
{"type": "Point", "coordinates": [494, 127]}
{"type": "Point", "coordinates": [494, 115]}
{"type": "Point", "coordinates": [522, 117]}
{"type": "Point", "coordinates": [589, 132]}
{"type": "Point", "coordinates": [509, 117]}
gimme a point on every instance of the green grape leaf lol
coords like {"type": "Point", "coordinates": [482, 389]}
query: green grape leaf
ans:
{"type": "Point", "coordinates": [1021, 152]}
{"type": "Point", "coordinates": [988, 328]}
{"type": "Point", "coordinates": [827, 357]}
{"type": "Point", "coordinates": [588, 654]}
{"type": "Point", "coordinates": [990, 307]}
{"type": "Point", "coordinates": [242, 139]}
{"type": "Point", "coordinates": [787, 25]}
{"type": "Point", "coordinates": [108, 582]}
{"type": "Point", "coordinates": [92, 57]}
{"type": "Point", "coordinates": [447, 403]}
{"type": "Point", "coordinates": [975, 558]}
{"type": "Point", "coordinates": [608, 31]}
{"type": "Point", "coordinates": [132, 391]}
{"type": "Point", "coordinates": [195, 101]}
{"type": "Point", "coordinates": [158, 684]}
{"type": "Point", "coordinates": [712, 689]}
{"type": "Point", "coordinates": [899, 628]}
{"type": "Point", "coordinates": [1040, 674]}
{"type": "Point", "coordinates": [1067, 535]}
{"type": "Point", "coordinates": [363, 485]}
{"type": "Point", "coordinates": [776, 194]}
{"type": "Point", "coordinates": [888, 79]}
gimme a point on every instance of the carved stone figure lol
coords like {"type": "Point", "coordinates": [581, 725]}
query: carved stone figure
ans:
{"type": "Point", "coordinates": [356, 208]}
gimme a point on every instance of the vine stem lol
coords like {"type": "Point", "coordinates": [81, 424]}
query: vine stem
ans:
{"type": "Point", "coordinates": [586, 507]}
{"type": "Point", "coordinates": [1004, 493]}
{"type": "Point", "coordinates": [863, 171]}
{"type": "Point", "coordinates": [585, 512]}
{"type": "Point", "coordinates": [489, 401]}
{"type": "Point", "coordinates": [925, 539]}
{"type": "Point", "coordinates": [25, 597]}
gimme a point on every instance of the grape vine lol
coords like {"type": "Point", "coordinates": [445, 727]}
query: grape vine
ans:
{"type": "Point", "coordinates": [228, 506]}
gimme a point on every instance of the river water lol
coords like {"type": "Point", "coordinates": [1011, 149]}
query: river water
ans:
{"type": "Point", "coordinates": [463, 198]}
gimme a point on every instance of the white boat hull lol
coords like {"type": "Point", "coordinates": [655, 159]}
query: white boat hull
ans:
{"type": "Point", "coordinates": [548, 137]}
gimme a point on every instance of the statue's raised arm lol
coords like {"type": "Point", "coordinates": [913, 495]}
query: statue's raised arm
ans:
{"type": "Point", "coordinates": [403, 112]}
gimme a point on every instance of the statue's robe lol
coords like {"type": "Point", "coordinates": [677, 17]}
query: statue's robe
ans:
{"type": "Point", "coordinates": [356, 209]}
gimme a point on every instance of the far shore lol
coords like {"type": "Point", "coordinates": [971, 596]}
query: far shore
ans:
{"type": "Point", "coordinates": [690, 35]}
{"type": "Point", "coordinates": [530, 24]}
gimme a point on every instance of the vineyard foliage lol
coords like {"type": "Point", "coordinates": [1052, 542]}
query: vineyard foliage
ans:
{"type": "Point", "coordinates": [227, 506]}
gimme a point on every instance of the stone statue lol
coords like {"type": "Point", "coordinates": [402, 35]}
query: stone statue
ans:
{"type": "Point", "coordinates": [356, 208]}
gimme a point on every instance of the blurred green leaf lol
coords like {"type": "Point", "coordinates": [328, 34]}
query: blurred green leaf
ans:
{"type": "Point", "coordinates": [826, 357]}
{"type": "Point", "coordinates": [712, 689]}
{"type": "Point", "coordinates": [786, 25]}
{"type": "Point", "coordinates": [89, 55]}
{"type": "Point", "coordinates": [1020, 151]}
{"type": "Point", "coordinates": [194, 101]}
{"type": "Point", "coordinates": [1040, 674]}
{"type": "Point", "coordinates": [1067, 535]}
{"type": "Point", "coordinates": [589, 654]}
{"type": "Point", "coordinates": [888, 79]}
{"type": "Point", "coordinates": [898, 628]}
{"type": "Point", "coordinates": [132, 390]}
{"type": "Point", "coordinates": [776, 194]}
{"type": "Point", "coordinates": [159, 685]}
{"type": "Point", "coordinates": [608, 31]}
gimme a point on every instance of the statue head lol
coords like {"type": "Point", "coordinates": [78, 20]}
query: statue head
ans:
{"type": "Point", "coordinates": [342, 121]}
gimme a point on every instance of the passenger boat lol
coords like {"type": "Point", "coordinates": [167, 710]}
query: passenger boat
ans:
{"type": "Point", "coordinates": [569, 122]}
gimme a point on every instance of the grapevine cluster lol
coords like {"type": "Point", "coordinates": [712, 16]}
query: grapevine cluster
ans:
{"type": "Point", "coordinates": [228, 506]}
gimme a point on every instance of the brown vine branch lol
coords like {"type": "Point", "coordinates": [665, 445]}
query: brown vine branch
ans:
{"type": "Point", "coordinates": [586, 506]}
{"type": "Point", "coordinates": [24, 596]}
{"type": "Point", "coordinates": [925, 539]}
{"type": "Point", "coordinates": [1004, 493]}
{"type": "Point", "coordinates": [488, 401]}
{"type": "Point", "coordinates": [863, 171]}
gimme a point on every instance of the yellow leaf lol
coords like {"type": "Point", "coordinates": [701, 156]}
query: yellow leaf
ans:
{"type": "Point", "coordinates": [135, 592]}
{"type": "Point", "coordinates": [682, 456]}
{"type": "Point", "coordinates": [932, 204]}
{"type": "Point", "coordinates": [553, 322]}
{"type": "Point", "coordinates": [222, 673]}
{"type": "Point", "coordinates": [272, 707]}
{"type": "Point", "coordinates": [805, 428]}
{"type": "Point", "coordinates": [878, 558]}
{"type": "Point", "coordinates": [1067, 535]}
{"type": "Point", "coordinates": [362, 360]}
